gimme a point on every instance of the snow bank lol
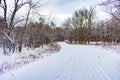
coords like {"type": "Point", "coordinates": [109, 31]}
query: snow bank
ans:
{"type": "Point", "coordinates": [17, 60]}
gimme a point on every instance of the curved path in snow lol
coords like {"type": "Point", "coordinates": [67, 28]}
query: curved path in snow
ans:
{"type": "Point", "coordinates": [73, 62]}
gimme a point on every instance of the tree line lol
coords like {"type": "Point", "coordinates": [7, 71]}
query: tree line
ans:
{"type": "Point", "coordinates": [23, 30]}
{"type": "Point", "coordinates": [82, 27]}
{"type": "Point", "coordinates": [18, 31]}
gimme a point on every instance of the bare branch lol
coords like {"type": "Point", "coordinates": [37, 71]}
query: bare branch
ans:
{"type": "Point", "coordinates": [8, 37]}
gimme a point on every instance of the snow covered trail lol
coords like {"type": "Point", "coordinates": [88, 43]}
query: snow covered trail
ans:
{"type": "Point", "coordinates": [73, 62]}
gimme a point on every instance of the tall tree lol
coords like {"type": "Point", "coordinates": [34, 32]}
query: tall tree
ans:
{"type": "Point", "coordinates": [81, 22]}
{"type": "Point", "coordinates": [113, 8]}
{"type": "Point", "coordinates": [31, 5]}
{"type": "Point", "coordinates": [10, 20]}
{"type": "Point", "coordinates": [90, 16]}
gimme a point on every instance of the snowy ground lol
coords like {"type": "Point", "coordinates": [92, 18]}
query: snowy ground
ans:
{"type": "Point", "coordinates": [17, 60]}
{"type": "Point", "coordinates": [113, 48]}
{"type": "Point", "coordinates": [73, 62]}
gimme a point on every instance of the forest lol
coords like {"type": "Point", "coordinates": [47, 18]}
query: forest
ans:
{"type": "Point", "coordinates": [18, 31]}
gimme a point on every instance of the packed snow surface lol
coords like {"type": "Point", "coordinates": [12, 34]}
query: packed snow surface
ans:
{"type": "Point", "coordinates": [73, 62]}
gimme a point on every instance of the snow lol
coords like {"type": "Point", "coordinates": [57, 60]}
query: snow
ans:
{"type": "Point", "coordinates": [73, 62]}
{"type": "Point", "coordinates": [17, 60]}
{"type": "Point", "coordinates": [113, 48]}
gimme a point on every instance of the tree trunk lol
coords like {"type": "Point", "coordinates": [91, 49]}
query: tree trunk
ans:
{"type": "Point", "coordinates": [22, 36]}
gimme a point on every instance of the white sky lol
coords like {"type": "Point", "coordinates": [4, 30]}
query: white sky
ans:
{"type": "Point", "coordinates": [60, 10]}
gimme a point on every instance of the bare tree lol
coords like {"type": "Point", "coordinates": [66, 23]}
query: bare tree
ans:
{"type": "Point", "coordinates": [31, 6]}
{"type": "Point", "coordinates": [113, 8]}
{"type": "Point", "coordinates": [81, 22]}
{"type": "Point", "coordinates": [9, 32]}
{"type": "Point", "coordinates": [90, 16]}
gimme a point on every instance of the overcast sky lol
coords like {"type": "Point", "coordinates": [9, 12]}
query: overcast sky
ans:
{"type": "Point", "coordinates": [62, 9]}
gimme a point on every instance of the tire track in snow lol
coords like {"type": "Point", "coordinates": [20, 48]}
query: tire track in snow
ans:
{"type": "Point", "coordinates": [57, 74]}
{"type": "Point", "coordinates": [95, 70]}
{"type": "Point", "coordinates": [66, 67]}
{"type": "Point", "coordinates": [110, 70]}
{"type": "Point", "coordinates": [100, 73]}
{"type": "Point", "coordinates": [86, 64]}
